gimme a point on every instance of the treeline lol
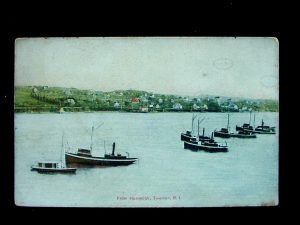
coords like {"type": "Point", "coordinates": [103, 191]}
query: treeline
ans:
{"type": "Point", "coordinates": [52, 99]}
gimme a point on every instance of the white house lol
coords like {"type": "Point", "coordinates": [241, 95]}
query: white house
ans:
{"type": "Point", "coordinates": [204, 107]}
{"type": "Point", "coordinates": [117, 105]}
{"type": "Point", "coordinates": [177, 106]}
{"type": "Point", "coordinates": [195, 106]}
{"type": "Point", "coordinates": [70, 101]}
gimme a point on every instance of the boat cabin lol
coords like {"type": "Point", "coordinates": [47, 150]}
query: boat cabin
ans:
{"type": "Point", "coordinates": [224, 130]}
{"type": "Point", "coordinates": [246, 125]}
{"type": "Point", "coordinates": [84, 152]}
{"type": "Point", "coordinates": [48, 164]}
{"type": "Point", "coordinates": [188, 133]}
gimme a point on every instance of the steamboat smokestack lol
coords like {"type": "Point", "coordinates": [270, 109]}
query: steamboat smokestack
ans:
{"type": "Point", "coordinates": [113, 150]}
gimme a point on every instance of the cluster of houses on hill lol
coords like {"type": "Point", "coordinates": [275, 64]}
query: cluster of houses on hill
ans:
{"type": "Point", "coordinates": [138, 101]}
{"type": "Point", "coordinates": [146, 103]}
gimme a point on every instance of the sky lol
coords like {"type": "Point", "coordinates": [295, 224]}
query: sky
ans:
{"type": "Point", "coordinates": [222, 66]}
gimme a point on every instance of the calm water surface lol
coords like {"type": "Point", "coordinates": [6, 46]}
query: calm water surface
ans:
{"type": "Point", "coordinates": [166, 175]}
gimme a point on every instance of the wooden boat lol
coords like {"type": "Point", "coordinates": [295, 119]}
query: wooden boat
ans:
{"type": "Point", "coordinates": [243, 134]}
{"type": "Point", "coordinates": [52, 167]}
{"type": "Point", "coordinates": [246, 126]}
{"type": "Point", "coordinates": [85, 157]}
{"type": "Point", "coordinates": [264, 129]}
{"type": "Point", "coordinates": [188, 135]}
{"type": "Point", "coordinates": [190, 138]}
{"type": "Point", "coordinates": [224, 132]}
{"type": "Point", "coordinates": [208, 146]}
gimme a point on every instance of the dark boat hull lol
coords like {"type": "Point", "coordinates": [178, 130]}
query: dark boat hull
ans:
{"type": "Point", "coordinates": [197, 147]}
{"type": "Point", "coordinates": [243, 135]}
{"type": "Point", "coordinates": [238, 128]}
{"type": "Point", "coordinates": [185, 137]}
{"type": "Point", "coordinates": [74, 159]}
{"type": "Point", "coordinates": [53, 170]}
{"type": "Point", "coordinates": [261, 131]}
{"type": "Point", "coordinates": [229, 135]}
{"type": "Point", "coordinates": [221, 134]}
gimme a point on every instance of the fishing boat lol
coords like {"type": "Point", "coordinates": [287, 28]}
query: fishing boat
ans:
{"type": "Point", "coordinates": [53, 167]}
{"type": "Point", "coordinates": [263, 129]}
{"type": "Point", "coordinates": [188, 135]}
{"type": "Point", "coordinates": [246, 126]}
{"type": "Point", "coordinates": [208, 146]}
{"type": "Point", "coordinates": [84, 157]}
{"type": "Point", "coordinates": [243, 134]}
{"type": "Point", "coordinates": [224, 132]}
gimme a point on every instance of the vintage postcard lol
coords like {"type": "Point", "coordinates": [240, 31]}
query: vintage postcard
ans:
{"type": "Point", "coordinates": [146, 121]}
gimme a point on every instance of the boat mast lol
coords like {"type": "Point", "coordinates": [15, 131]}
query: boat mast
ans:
{"type": "Point", "coordinates": [61, 151]}
{"type": "Point", "coordinates": [198, 128]}
{"type": "Point", "coordinates": [93, 128]}
{"type": "Point", "coordinates": [92, 138]}
{"type": "Point", "coordinates": [193, 118]}
{"type": "Point", "coordinates": [228, 122]}
{"type": "Point", "coordinates": [250, 118]}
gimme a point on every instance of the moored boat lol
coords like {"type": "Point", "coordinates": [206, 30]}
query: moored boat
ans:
{"type": "Point", "coordinates": [188, 135]}
{"type": "Point", "coordinates": [243, 134]}
{"type": "Point", "coordinates": [246, 126]}
{"type": "Point", "coordinates": [84, 157]}
{"type": "Point", "coordinates": [52, 167]}
{"type": "Point", "coordinates": [263, 129]}
{"type": "Point", "coordinates": [207, 145]}
{"type": "Point", "coordinates": [224, 132]}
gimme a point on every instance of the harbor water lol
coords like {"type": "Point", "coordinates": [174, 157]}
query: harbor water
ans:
{"type": "Point", "coordinates": [166, 174]}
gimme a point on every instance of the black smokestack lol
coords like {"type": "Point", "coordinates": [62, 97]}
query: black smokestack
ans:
{"type": "Point", "coordinates": [113, 150]}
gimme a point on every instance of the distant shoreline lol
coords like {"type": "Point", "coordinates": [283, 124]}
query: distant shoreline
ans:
{"type": "Point", "coordinates": [112, 111]}
{"type": "Point", "coordinates": [37, 99]}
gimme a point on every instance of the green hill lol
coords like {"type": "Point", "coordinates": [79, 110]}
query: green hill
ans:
{"type": "Point", "coordinates": [52, 99]}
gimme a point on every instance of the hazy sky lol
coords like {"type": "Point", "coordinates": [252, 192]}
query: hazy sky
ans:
{"type": "Point", "coordinates": [237, 67]}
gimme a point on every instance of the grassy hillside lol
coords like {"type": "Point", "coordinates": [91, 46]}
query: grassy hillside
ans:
{"type": "Point", "coordinates": [51, 99]}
